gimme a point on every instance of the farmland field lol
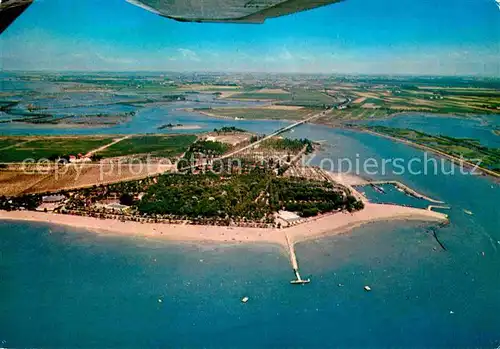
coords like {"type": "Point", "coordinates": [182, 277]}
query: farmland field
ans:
{"type": "Point", "coordinates": [310, 98]}
{"type": "Point", "coordinates": [263, 95]}
{"type": "Point", "coordinates": [16, 181]}
{"type": "Point", "coordinates": [259, 113]}
{"type": "Point", "coordinates": [156, 145]}
{"type": "Point", "coordinates": [9, 142]}
{"type": "Point", "coordinates": [49, 147]}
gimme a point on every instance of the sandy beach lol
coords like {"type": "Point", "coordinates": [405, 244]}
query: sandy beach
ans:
{"type": "Point", "coordinates": [332, 224]}
{"type": "Point", "coordinates": [186, 127]}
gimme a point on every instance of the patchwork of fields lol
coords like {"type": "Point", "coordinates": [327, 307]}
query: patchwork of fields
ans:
{"type": "Point", "coordinates": [18, 179]}
{"type": "Point", "coordinates": [17, 149]}
{"type": "Point", "coordinates": [258, 113]}
{"type": "Point", "coordinates": [156, 145]}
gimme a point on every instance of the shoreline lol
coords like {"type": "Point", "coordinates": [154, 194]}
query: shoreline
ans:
{"type": "Point", "coordinates": [484, 171]}
{"type": "Point", "coordinates": [215, 116]}
{"type": "Point", "coordinates": [327, 225]}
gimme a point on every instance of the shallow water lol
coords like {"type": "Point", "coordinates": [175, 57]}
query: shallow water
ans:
{"type": "Point", "coordinates": [147, 119]}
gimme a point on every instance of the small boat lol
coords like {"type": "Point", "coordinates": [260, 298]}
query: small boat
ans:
{"type": "Point", "coordinates": [378, 189]}
{"type": "Point", "coordinates": [244, 300]}
{"type": "Point", "coordinates": [368, 288]}
{"type": "Point", "coordinates": [468, 212]}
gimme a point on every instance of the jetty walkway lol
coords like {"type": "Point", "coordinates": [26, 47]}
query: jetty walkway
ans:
{"type": "Point", "coordinates": [295, 264]}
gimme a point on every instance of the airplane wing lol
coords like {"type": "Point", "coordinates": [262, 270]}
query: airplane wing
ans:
{"type": "Point", "coordinates": [10, 10]}
{"type": "Point", "coordinates": [231, 11]}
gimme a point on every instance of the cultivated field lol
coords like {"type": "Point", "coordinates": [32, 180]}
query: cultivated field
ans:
{"type": "Point", "coordinates": [396, 97]}
{"type": "Point", "coordinates": [17, 181]}
{"type": "Point", "coordinates": [17, 149]}
{"type": "Point", "coordinates": [9, 142]}
{"type": "Point", "coordinates": [256, 95]}
{"type": "Point", "coordinates": [156, 145]}
{"type": "Point", "coordinates": [258, 113]}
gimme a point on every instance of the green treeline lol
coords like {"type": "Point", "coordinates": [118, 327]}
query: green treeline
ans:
{"type": "Point", "coordinates": [254, 196]}
{"type": "Point", "coordinates": [206, 148]}
{"type": "Point", "coordinates": [207, 198]}
{"type": "Point", "coordinates": [227, 129]}
{"type": "Point", "coordinates": [309, 198]}
{"type": "Point", "coordinates": [286, 144]}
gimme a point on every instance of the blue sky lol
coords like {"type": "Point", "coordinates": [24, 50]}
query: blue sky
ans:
{"type": "Point", "coordinates": [443, 37]}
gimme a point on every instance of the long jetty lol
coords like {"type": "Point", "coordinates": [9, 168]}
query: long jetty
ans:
{"type": "Point", "coordinates": [295, 264]}
{"type": "Point", "coordinates": [274, 134]}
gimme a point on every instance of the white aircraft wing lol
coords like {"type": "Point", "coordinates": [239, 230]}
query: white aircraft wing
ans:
{"type": "Point", "coordinates": [232, 11]}
{"type": "Point", "coordinates": [10, 10]}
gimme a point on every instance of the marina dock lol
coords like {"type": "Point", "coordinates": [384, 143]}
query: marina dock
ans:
{"type": "Point", "coordinates": [406, 189]}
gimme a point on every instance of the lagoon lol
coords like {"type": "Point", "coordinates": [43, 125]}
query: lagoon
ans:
{"type": "Point", "coordinates": [63, 288]}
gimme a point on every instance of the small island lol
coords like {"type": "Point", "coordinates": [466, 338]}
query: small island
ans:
{"type": "Point", "coordinates": [171, 126]}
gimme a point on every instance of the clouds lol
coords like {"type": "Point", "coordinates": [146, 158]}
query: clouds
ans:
{"type": "Point", "coordinates": [37, 49]}
{"type": "Point", "coordinates": [358, 36]}
{"type": "Point", "coordinates": [116, 60]}
{"type": "Point", "coordinates": [188, 54]}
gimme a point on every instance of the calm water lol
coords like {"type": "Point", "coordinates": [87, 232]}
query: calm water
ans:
{"type": "Point", "coordinates": [147, 119]}
{"type": "Point", "coordinates": [68, 289]}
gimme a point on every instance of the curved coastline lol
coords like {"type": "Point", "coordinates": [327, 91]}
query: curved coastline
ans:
{"type": "Point", "coordinates": [330, 224]}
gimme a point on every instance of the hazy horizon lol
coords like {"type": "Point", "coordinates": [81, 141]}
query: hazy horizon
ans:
{"type": "Point", "coordinates": [160, 72]}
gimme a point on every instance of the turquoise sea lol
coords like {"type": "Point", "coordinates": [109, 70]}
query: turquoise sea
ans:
{"type": "Point", "coordinates": [62, 288]}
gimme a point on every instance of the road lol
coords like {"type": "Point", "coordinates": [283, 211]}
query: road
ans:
{"type": "Point", "coordinates": [92, 152]}
{"type": "Point", "coordinates": [252, 145]}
